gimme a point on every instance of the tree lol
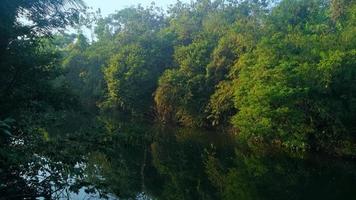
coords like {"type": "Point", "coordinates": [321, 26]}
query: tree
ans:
{"type": "Point", "coordinates": [143, 55]}
{"type": "Point", "coordinates": [27, 58]}
{"type": "Point", "coordinates": [289, 89]}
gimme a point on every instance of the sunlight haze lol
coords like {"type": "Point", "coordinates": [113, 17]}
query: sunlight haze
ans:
{"type": "Point", "coordinates": [110, 6]}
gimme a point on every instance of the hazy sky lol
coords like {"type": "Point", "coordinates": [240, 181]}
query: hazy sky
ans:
{"type": "Point", "coordinates": [110, 6]}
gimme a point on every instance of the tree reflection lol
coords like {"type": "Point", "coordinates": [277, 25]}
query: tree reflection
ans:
{"type": "Point", "coordinates": [279, 176]}
{"type": "Point", "coordinates": [109, 158]}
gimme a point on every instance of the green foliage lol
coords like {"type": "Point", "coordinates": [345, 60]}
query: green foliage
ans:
{"type": "Point", "coordinates": [283, 90]}
{"type": "Point", "coordinates": [82, 65]}
{"type": "Point", "coordinates": [134, 68]}
{"type": "Point", "coordinates": [278, 72]}
{"type": "Point", "coordinates": [221, 105]}
{"type": "Point", "coordinates": [184, 91]}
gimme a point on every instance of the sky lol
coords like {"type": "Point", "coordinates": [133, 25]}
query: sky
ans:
{"type": "Point", "coordinates": [110, 6]}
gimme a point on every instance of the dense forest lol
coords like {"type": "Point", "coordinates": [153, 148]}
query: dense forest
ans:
{"type": "Point", "coordinates": [270, 74]}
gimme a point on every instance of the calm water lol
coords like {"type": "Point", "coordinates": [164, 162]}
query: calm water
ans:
{"type": "Point", "coordinates": [106, 159]}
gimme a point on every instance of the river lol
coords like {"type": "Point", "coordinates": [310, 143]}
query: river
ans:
{"type": "Point", "coordinates": [105, 158]}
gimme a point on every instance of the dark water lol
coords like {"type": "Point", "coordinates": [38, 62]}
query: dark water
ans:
{"type": "Point", "coordinates": [106, 159]}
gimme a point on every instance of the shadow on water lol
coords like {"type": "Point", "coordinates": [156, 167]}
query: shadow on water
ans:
{"type": "Point", "coordinates": [103, 158]}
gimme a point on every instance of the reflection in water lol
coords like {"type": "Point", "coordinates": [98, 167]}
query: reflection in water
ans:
{"type": "Point", "coordinates": [106, 159]}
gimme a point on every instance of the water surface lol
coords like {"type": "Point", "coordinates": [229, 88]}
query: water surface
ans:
{"type": "Point", "coordinates": [103, 158]}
